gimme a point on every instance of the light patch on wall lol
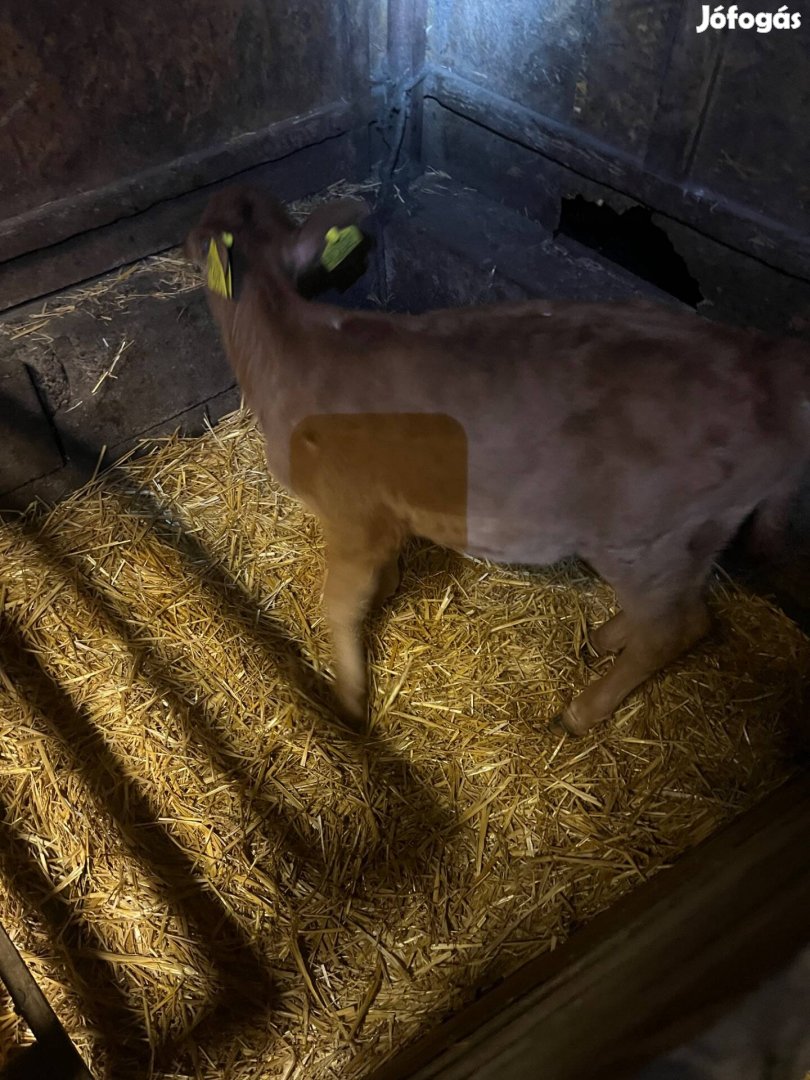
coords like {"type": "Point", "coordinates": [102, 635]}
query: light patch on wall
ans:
{"type": "Point", "coordinates": [530, 52]}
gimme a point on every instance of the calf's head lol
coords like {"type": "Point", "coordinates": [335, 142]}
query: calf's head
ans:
{"type": "Point", "coordinates": [256, 228]}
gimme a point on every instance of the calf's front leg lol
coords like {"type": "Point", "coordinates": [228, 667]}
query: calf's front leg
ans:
{"type": "Point", "coordinates": [387, 582]}
{"type": "Point", "coordinates": [358, 576]}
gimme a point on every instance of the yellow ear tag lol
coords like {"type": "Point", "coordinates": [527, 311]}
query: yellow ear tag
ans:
{"type": "Point", "coordinates": [339, 244]}
{"type": "Point", "coordinates": [219, 276]}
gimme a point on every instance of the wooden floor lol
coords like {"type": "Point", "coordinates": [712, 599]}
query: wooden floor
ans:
{"type": "Point", "coordinates": [767, 1035]}
{"type": "Point", "coordinates": [648, 974]}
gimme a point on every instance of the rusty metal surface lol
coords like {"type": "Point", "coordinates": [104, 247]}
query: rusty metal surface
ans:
{"type": "Point", "coordinates": [95, 90]}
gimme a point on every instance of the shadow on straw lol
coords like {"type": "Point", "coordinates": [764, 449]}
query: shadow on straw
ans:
{"type": "Point", "coordinates": [103, 1003]}
{"type": "Point", "coordinates": [245, 986]}
{"type": "Point", "coordinates": [390, 780]}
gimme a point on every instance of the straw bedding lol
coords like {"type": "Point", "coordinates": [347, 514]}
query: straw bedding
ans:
{"type": "Point", "coordinates": [200, 862]}
{"type": "Point", "coordinates": [210, 877]}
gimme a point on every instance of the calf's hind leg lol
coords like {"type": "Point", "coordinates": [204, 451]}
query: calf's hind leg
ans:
{"type": "Point", "coordinates": [653, 638]}
{"type": "Point", "coordinates": [661, 591]}
{"type": "Point", "coordinates": [611, 636]}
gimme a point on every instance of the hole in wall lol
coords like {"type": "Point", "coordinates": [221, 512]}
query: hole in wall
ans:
{"type": "Point", "coordinates": [631, 240]}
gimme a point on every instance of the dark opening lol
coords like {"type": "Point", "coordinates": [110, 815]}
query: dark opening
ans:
{"type": "Point", "coordinates": [632, 240]}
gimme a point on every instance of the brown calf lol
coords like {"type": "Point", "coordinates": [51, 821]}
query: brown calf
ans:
{"type": "Point", "coordinates": [633, 436]}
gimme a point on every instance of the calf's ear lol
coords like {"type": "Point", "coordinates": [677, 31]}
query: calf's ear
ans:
{"type": "Point", "coordinates": [209, 251]}
{"type": "Point", "coordinates": [191, 249]}
{"type": "Point", "coordinates": [196, 247]}
{"type": "Point", "coordinates": [329, 233]}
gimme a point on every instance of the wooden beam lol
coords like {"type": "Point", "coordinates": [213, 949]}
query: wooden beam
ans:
{"type": "Point", "coordinates": [127, 198]}
{"type": "Point", "coordinates": [406, 37]}
{"type": "Point", "coordinates": [740, 227]}
{"type": "Point", "coordinates": [32, 1005]}
{"type": "Point", "coordinates": [407, 47]}
{"type": "Point", "coordinates": [648, 973]}
{"type": "Point", "coordinates": [166, 223]}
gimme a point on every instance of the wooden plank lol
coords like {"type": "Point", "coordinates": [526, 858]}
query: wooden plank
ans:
{"type": "Point", "coordinates": [29, 447]}
{"type": "Point", "coordinates": [167, 222]}
{"type": "Point", "coordinates": [407, 20]}
{"type": "Point", "coordinates": [621, 69]}
{"type": "Point", "coordinates": [530, 52]}
{"type": "Point", "coordinates": [496, 167]}
{"type": "Point", "coordinates": [765, 163]}
{"type": "Point", "coordinates": [406, 46]}
{"type": "Point", "coordinates": [416, 30]}
{"type": "Point", "coordinates": [649, 972]}
{"type": "Point", "coordinates": [356, 27]}
{"type": "Point", "coordinates": [741, 227]}
{"type": "Point", "coordinates": [95, 92]}
{"type": "Point", "coordinates": [127, 198]}
{"type": "Point", "coordinates": [32, 1005]}
{"type": "Point", "coordinates": [686, 93]}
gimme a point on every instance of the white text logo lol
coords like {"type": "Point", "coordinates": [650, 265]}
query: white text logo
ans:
{"type": "Point", "coordinates": [764, 21]}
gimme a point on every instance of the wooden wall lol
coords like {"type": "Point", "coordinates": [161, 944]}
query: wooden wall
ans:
{"type": "Point", "coordinates": [708, 128]}
{"type": "Point", "coordinates": [110, 112]}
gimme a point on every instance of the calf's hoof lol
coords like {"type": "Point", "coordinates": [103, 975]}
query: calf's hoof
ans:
{"type": "Point", "coordinates": [352, 709]}
{"type": "Point", "coordinates": [567, 723]}
{"type": "Point", "coordinates": [560, 726]}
